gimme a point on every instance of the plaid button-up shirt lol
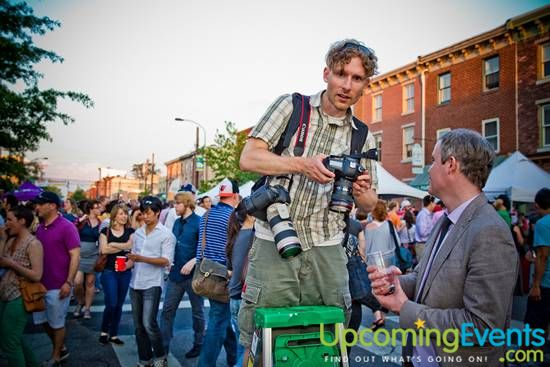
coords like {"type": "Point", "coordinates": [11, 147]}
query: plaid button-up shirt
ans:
{"type": "Point", "coordinates": [315, 224]}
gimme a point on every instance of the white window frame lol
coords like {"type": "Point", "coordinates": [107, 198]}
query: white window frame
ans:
{"type": "Point", "coordinates": [485, 87]}
{"type": "Point", "coordinates": [376, 110]}
{"type": "Point", "coordinates": [440, 132]}
{"type": "Point", "coordinates": [543, 126]}
{"type": "Point", "coordinates": [408, 98]}
{"type": "Point", "coordinates": [440, 90]}
{"type": "Point", "coordinates": [542, 61]}
{"type": "Point", "coordinates": [404, 145]}
{"type": "Point", "coordinates": [487, 121]}
{"type": "Point", "coordinates": [378, 137]}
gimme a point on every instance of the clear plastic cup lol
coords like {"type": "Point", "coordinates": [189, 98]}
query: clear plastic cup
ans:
{"type": "Point", "coordinates": [382, 260]}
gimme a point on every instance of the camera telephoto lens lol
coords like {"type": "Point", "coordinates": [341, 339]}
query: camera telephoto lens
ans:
{"type": "Point", "coordinates": [285, 235]}
{"type": "Point", "coordinates": [341, 200]}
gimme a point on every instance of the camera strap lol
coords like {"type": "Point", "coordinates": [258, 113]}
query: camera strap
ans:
{"type": "Point", "coordinates": [303, 124]}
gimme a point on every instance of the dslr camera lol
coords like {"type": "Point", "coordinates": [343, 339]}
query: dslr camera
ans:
{"type": "Point", "coordinates": [270, 203]}
{"type": "Point", "coordinates": [346, 168]}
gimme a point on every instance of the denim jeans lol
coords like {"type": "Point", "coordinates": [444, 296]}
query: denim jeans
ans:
{"type": "Point", "coordinates": [219, 332]}
{"type": "Point", "coordinates": [234, 305]}
{"type": "Point", "coordinates": [172, 298]}
{"type": "Point", "coordinates": [145, 305]}
{"type": "Point", "coordinates": [115, 287]}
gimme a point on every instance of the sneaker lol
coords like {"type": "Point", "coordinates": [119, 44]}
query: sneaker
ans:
{"type": "Point", "coordinates": [161, 363]}
{"type": "Point", "coordinates": [194, 352]}
{"type": "Point", "coordinates": [77, 311]}
{"type": "Point", "coordinates": [87, 314]}
{"type": "Point", "coordinates": [115, 340]}
{"type": "Point", "coordinates": [64, 354]}
{"type": "Point", "coordinates": [51, 363]}
{"type": "Point", "coordinates": [104, 338]}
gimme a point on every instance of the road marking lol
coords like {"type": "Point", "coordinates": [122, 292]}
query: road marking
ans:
{"type": "Point", "coordinates": [127, 353]}
{"type": "Point", "coordinates": [127, 307]}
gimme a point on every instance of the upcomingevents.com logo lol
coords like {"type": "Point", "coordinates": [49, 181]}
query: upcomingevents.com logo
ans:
{"type": "Point", "coordinates": [450, 340]}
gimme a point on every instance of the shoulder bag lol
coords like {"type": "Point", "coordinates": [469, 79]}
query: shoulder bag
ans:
{"type": "Point", "coordinates": [210, 278]}
{"type": "Point", "coordinates": [33, 294]}
{"type": "Point", "coordinates": [403, 255]}
{"type": "Point", "coordinates": [101, 260]}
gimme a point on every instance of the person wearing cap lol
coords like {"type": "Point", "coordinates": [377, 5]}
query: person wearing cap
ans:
{"type": "Point", "coordinates": [275, 282]}
{"type": "Point", "coordinates": [61, 244]}
{"type": "Point", "coordinates": [214, 225]}
{"type": "Point", "coordinates": [171, 217]}
{"type": "Point", "coordinates": [152, 251]}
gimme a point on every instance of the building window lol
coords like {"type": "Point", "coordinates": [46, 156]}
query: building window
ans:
{"type": "Point", "coordinates": [378, 142]}
{"type": "Point", "coordinates": [545, 61]}
{"type": "Point", "coordinates": [440, 132]}
{"type": "Point", "coordinates": [408, 98]}
{"type": "Point", "coordinates": [545, 125]}
{"type": "Point", "coordinates": [377, 108]}
{"type": "Point", "coordinates": [491, 132]}
{"type": "Point", "coordinates": [444, 85]}
{"type": "Point", "coordinates": [408, 142]}
{"type": "Point", "coordinates": [491, 72]}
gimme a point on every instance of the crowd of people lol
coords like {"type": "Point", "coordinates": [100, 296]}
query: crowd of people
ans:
{"type": "Point", "coordinates": [465, 255]}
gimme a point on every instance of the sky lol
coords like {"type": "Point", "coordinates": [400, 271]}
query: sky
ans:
{"type": "Point", "coordinates": [146, 62]}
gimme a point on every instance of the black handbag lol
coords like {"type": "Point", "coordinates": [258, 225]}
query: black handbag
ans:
{"type": "Point", "coordinates": [210, 278]}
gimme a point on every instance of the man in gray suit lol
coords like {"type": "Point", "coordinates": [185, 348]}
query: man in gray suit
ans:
{"type": "Point", "coordinates": [470, 265]}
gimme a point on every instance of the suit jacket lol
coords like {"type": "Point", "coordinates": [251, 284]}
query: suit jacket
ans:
{"type": "Point", "coordinates": [471, 281]}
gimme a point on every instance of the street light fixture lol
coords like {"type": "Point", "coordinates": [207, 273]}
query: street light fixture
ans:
{"type": "Point", "coordinates": [195, 171]}
{"type": "Point", "coordinates": [99, 183]}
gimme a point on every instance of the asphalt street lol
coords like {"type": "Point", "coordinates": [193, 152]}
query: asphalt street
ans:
{"type": "Point", "coordinates": [85, 350]}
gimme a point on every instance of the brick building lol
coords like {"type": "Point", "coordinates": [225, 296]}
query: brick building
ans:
{"type": "Point", "coordinates": [497, 83]}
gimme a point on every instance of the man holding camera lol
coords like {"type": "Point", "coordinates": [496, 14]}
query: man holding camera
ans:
{"type": "Point", "coordinates": [318, 274]}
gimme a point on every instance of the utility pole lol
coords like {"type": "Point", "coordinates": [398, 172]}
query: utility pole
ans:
{"type": "Point", "coordinates": [195, 170]}
{"type": "Point", "coordinates": [152, 171]}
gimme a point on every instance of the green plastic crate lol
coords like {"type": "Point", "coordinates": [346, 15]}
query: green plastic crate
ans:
{"type": "Point", "coordinates": [298, 316]}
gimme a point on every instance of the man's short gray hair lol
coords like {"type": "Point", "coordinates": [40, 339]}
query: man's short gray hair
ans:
{"type": "Point", "coordinates": [472, 150]}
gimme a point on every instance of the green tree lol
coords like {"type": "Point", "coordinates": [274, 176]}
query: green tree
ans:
{"type": "Point", "coordinates": [79, 194]}
{"type": "Point", "coordinates": [223, 157]}
{"type": "Point", "coordinates": [25, 109]}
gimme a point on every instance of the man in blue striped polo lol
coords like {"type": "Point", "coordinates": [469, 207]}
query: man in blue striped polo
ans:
{"type": "Point", "coordinates": [218, 331]}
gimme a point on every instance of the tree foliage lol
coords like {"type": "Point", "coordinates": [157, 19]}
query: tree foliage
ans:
{"type": "Point", "coordinates": [53, 188]}
{"type": "Point", "coordinates": [223, 157]}
{"type": "Point", "coordinates": [79, 194]}
{"type": "Point", "coordinates": [25, 109]}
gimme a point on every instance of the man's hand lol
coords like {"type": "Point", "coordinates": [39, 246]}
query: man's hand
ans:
{"type": "Point", "coordinates": [188, 267]}
{"type": "Point", "coordinates": [315, 170]}
{"type": "Point", "coordinates": [534, 293]}
{"type": "Point", "coordinates": [361, 185]}
{"type": "Point", "coordinates": [135, 257]}
{"type": "Point", "coordinates": [381, 282]}
{"type": "Point", "coordinates": [64, 291]}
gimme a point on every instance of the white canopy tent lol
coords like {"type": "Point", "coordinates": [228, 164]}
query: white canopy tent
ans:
{"type": "Point", "coordinates": [389, 185]}
{"type": "Point", "coordinates": [517, 177]}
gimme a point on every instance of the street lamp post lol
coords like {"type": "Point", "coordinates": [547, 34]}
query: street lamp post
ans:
{"type": "Point", "coordinates": [195, 171]}
{"type": "Point", "coordinates": [99, 183]}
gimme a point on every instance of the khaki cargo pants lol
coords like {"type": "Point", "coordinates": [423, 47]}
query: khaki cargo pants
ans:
{"type": "Point", "coordinates": [315, 277]}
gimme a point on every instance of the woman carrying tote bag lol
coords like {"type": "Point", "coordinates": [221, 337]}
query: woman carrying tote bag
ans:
{"type": "Point", "coordinates": [21, 257]}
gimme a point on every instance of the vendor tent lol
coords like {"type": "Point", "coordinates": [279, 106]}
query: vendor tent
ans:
{"type": "Point", "coordinates": [389, 185]}
{"type": "Point", "coordinates": [517, 177]}
{"type": "Point", "coordinates": [27, 191]}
